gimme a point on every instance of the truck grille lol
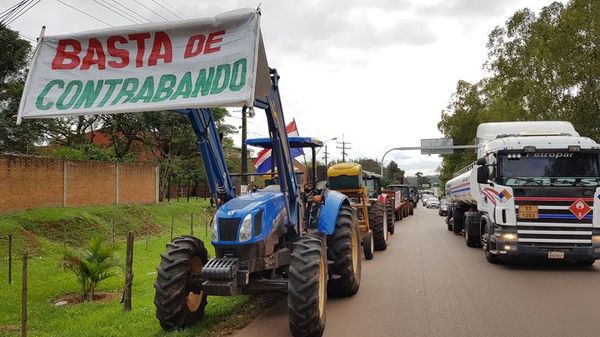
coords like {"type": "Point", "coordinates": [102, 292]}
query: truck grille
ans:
{"type": "Point", "coordinates": [228, 228]}
{"type": "Point", "coordinates": [557, 226]}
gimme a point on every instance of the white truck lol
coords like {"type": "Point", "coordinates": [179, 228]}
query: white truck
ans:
{"type": "Point", "coordinates": [534, 192]}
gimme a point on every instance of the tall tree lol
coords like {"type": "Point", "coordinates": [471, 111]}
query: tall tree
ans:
{"type": "Point", "coordinates": [14, 55]}
{"type": "Point", "coordinates": [541, 66]}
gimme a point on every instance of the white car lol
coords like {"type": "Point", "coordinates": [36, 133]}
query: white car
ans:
{"type": "Point", "coordinates": [432, 203]}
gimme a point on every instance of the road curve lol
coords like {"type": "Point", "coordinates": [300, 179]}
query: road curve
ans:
{"type": "Point", "coordinates": [429, 283]}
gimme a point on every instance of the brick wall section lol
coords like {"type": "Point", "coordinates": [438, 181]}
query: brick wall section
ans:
{"type": "Point", "coordinates": [27, 182]}
{"type": "Point", "coordinates": [137, 184]}
{"type": "Point", "coordinates": [33, 182]}
{"type": "Point", "coordinates": [91, 183]}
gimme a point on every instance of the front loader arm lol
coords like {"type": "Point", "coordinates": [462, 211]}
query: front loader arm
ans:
{"type": "Point", "coordinates": [220, 183]}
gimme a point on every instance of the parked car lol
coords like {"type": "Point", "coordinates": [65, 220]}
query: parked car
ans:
{"type": "Point", "coordinates": [432, 202]}
{"type": "Point", "coordinates": [443, 208]}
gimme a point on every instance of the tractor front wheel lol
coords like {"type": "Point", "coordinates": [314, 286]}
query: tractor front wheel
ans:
{"type": "Point", "coordinates": [180, 301]}
{"type": "Point", "coordinates": [343, 250]}
{"type": "Point", "coordinates": [307, 287]}
{"type": "Point", "coordinates": [376, 223]}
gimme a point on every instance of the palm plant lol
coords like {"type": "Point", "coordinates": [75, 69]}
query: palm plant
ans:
{"type": "Point", "coordinates": [94, 265]}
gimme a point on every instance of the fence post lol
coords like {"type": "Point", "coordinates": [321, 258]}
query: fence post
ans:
{"type": "Point", "coordinates": [128, 273]}
{"type": "Point", "coordinates": [24, 298]}
{"type": "Point", "coordinates": [9, 258]}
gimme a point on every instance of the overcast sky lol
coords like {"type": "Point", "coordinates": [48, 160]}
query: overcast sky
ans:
{"type": "Point", "coordinates": [377, 72]}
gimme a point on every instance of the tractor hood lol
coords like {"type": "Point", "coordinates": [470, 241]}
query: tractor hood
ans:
{"type": "Point", "coordinates": [249, 218]}
{"type": "Point", "coordinates": [242, 205]}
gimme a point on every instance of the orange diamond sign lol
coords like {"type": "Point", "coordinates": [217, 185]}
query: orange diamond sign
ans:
{"type": "Point", "coordinates": [580, 208]}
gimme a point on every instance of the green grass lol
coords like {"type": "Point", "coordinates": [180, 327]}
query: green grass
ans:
{"type": "Point", "coordinates": [45, 233]}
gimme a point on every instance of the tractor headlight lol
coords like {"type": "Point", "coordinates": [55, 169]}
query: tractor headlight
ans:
{"type": "Point", "coordinates": [246, 229]}
{"type": "Point", "coordinates": [214, 235]}
{"type": "Point", "coordinates": [596, 239]}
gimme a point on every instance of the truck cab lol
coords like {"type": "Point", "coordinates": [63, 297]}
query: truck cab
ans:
{"type": "Point", "coordinates": [533, 193]}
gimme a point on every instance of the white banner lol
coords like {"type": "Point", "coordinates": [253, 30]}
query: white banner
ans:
{"type": "Point", "coordinates": [207, 62]}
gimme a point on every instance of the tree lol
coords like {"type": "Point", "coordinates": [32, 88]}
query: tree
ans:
{"type": "Point", "coordinates": [13, 61]}
{"type": "Point", "coordinates": [369, 164]}
{"type": "Point", "coordinates": [541, 67]}
{"type": "Point", "coordinates": [392, 174]}
{"type": "Point", "coordinates": [422, 180]}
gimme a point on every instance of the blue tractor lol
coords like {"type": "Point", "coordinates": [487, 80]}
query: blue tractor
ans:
{"type": "Point", "coordinates": [278, 239]}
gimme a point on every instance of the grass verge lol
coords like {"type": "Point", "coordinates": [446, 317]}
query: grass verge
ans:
{"type": "Point", "coordinates": [44, 234]}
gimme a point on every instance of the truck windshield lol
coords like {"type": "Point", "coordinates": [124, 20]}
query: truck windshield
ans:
{"type": "Point", "coordinates": [550, 169]}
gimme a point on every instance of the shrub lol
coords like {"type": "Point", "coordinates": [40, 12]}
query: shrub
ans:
{"type": "Point", "coordinates": [94, 265]}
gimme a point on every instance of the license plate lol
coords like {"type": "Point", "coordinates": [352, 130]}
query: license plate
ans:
{"type": "Point", "coordinates": [556, 255]}
{"type": "Point", "coordinates": [528, 212]}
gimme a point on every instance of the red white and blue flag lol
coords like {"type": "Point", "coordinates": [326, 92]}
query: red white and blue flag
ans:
{"type": "Point", "coordinates": [263, 163]}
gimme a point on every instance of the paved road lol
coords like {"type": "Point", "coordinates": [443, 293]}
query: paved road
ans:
{"type": "Point", "coordinates": [428, 283]}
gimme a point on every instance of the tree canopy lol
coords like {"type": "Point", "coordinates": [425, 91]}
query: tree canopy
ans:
{"type": "Point", "coordinates": [542, 66]}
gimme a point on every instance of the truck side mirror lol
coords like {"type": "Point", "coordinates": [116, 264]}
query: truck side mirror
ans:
{"type": "Point", "coordinates": [482, 161]}
{"type": "Point", "coordinates": [483, 175]}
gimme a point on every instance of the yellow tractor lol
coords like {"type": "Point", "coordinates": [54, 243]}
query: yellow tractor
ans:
{"type": "Point", "coordinates": [351, 180]}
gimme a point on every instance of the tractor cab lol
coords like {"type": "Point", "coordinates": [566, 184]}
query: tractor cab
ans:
{"type": "Point", "coordinates": [373, 183]}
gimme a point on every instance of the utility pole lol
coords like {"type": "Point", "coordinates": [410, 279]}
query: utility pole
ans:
{"type": "Point", "coordinates": [344, 146]}
{"type": "Point", "coordinates": [244, 148]}
{"type": "Point", "coordinates": [325, 155]}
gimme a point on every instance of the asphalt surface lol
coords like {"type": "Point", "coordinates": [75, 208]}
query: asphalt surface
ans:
{"type": "Point", "coordinates": [429, 283]}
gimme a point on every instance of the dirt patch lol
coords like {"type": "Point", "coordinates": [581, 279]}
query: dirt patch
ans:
{"type": "Point", "coordinates": [243, 316]}
{"type": "Point", "coordinates": [32, 246]}
{"type": "Point", "coordinates": [9, 328]}
{"type": "Point", "coordinates": [75, 298]}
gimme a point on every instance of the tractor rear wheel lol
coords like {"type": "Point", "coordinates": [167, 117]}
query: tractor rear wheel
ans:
{"type": "Point", "coordinates": [307, 287]}
{"type": "Point", "coordinates": [179, 302]}
{"type": "Point", "coordinates": [389, 211]}
{"type": "Point", "coordinates": [376, 223]}
{"type": "Point", "coordinates": [343, 250]}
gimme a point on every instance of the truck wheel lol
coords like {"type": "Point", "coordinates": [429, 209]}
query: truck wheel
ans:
{"type": "Point", "coordinates": [380, 234]}
{"type": "Point", "coordinates": [486, 243]}
{"type": "Point", "coordinates": [449, 224]}
{"type": "Point", "coordinates": [307, 286]}
{"type": "Point", "coordinates": [368, 246]}
{"type": "Point", "coordinates": [390, 216]}
{"type": "Point", "coordinates": [472, 225]}
{"type": "Point", "coordinates": [457, 220]}
{"type": "Point", "coordinates": [343, 250]}
{"type": "Point", "coordinates": [180, 303]}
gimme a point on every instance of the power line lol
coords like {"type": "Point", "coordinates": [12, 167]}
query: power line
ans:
{"type": "Point", "coordinates": [15, 11]}
{"type": "Point", "coordinates": [84, 13]}
{"type": "Point", "coordinates": [150, 9]}
{"type": "Point", "coordinates": [168, 10]}
{"type": "Point", "coordinates": [173, 7]}
{"type": "Point", "coordinates": [114, 11]}
{"type": "Point", "coordinates": [23, 12]}
{"type": "Point", "coordinates": [10, 8]}
{"type": "Point", "coordinates": [131, 11]}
